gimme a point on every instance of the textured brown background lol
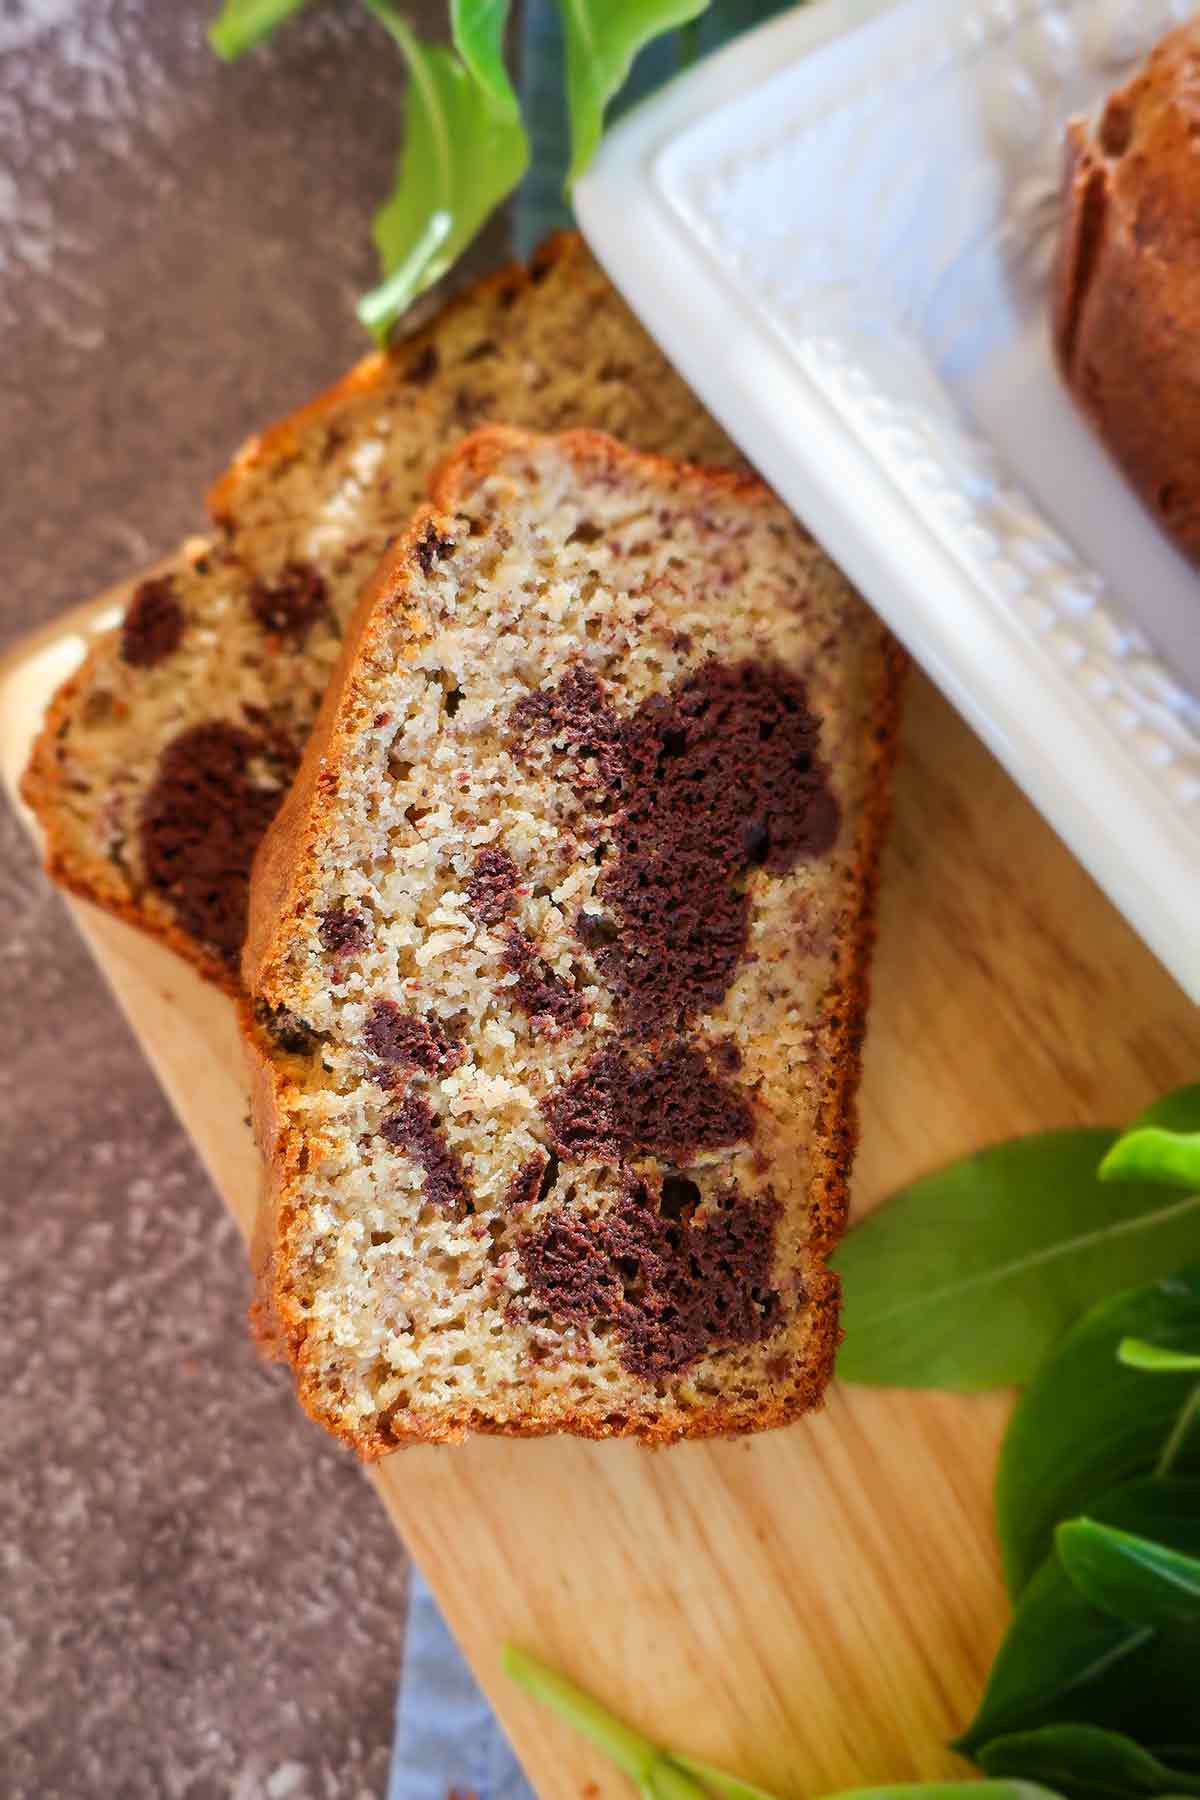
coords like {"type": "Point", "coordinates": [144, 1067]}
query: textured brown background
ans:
{"type": "Point", "coordinates": [200, 1596]}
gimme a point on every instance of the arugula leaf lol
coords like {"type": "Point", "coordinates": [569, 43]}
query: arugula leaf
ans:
{"type": "Point", "coordinates": [243, 23]}
{"type": "Point", "coordinates": [1064, 1661]}
{"type": "Point", "coordinates": [603, 37]}
{"type": "Point", "coordinates": [1087, 1422]}
{"type": "Point", "coordinates": [1135, 1353]}
{"type": "Point", "coordinates": [1131, 1577]}
{"type": "Point", "coordinates": [1085, 1763]}
{"type": "Point", "coordinates": [460, 158]}
{"type": "Point", "coordinates": [477, 27]}
{"type": "Point", "coordinates": [968, 1277]}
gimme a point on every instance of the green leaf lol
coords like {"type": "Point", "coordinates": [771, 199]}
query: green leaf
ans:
{"type": "Point", "coordinates": [1064, 1661]}
{"type": "Point", "coordinates": [460, 158]}
{"type": "Point", "coordinates": [1084, 1762]}
{"type": "Point", "coordinates": [950, 1790]}
{"type": "Point", "coordinates": [1162, 1144]}
{"type": "Point", "coordinates": [477, 27]}
{"type": "Point", "coordinates": [1087, 1422]}
{"type": "Point", "coordinates": [603, 37]}
{"type": "Point", "coordinates": [1132, 1577]}
{"type": "Point", "coordinates": [243, 23]}
{"type": "Point", "coordinates": [1135, 1353]}
{"type": "Point", "coordinates": [968, 1277]}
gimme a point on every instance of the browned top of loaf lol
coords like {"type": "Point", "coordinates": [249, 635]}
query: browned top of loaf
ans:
{"type": "Point", "coordinates": [1126, 295]}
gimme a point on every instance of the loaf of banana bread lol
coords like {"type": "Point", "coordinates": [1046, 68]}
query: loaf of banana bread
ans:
{"type": "Point", "coordinates": [1126, 297]}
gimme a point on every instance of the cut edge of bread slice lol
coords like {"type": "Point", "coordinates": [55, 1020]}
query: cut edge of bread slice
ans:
{"type": "Point", "coordinates": [283, 886]}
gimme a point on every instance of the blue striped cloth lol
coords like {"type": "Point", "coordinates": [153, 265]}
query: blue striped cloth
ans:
{"type": "Point", "coordinates": [447, 1739]}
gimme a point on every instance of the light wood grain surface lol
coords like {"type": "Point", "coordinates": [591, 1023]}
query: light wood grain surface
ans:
{"type": "Point", "coordinates": [813, 1608]}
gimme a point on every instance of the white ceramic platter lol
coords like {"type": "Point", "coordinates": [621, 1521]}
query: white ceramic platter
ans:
{"type": "Point", "coordinates": [840, 229]}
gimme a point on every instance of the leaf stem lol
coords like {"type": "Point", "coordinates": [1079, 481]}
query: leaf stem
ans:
{"type": "Point", "coordinates": [380, 306]}
{"type": "Point", "coordinates": [1188, 1415]}
{"type": "Point", "coordinates": [631, 1752]}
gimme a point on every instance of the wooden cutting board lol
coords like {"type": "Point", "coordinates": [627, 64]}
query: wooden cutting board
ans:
{"type": "Point", "coordinates": [814, 1608]}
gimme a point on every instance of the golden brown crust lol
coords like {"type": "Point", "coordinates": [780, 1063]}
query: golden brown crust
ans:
{"type": "Point", "coordinates": [845, 1027]}
{"type": "Point", "coordinates": [1125, 302]}
{"type": "Point", "coordinates": [278, 442]}
{"type": "Point", "coordinates": [278, 893]}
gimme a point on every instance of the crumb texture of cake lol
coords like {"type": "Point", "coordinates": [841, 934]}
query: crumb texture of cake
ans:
{"type": "Point", "coordinates": [557, 960]}
{"type": "Point", "coordinates": [1126, 294]}
{"type": "Point", "coordinates": [211, 684]}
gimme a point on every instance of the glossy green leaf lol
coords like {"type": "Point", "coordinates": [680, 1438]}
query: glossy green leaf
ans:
{"type": "Point", "coordinates": [243, 23]}
{"type": "Point", "coordinates": [1162, 1144]}
{"type": "Point", "coordinates": [477, 27]}
{"type": "Point", "coordinates": [1086, 1423]}
{"type": "Point", "coordinates": [460, 159]}
{"type": "Point", "coordinates": [968, 1277]}
{"type": "Point", "coordinates": [1084, 1762]}
{"type": "Point", "coordinates": [1135, 1353]}
{"type": "Point", "coordinates": [603, 37]}
{"type": "Point", "coordinates": [1064, 1661]}
{"type": "Point", "coordinates": [1130, 1576]}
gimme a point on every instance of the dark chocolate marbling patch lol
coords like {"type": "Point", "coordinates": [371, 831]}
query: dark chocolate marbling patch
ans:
{"type": "Point", "coordinates": [292, 604]}
{"type": "Point", "coordinates": [343, 931]}
{"type": "Point", "coordinates": [553, 1005]}
{"type": "Point", "coordinates": [672, 1104]}
{"type": "Point", "coordinates": [414, 1130]}
{"type": "Point", "coordinates": [675, 1287]}
{"type": "Point", "coordinates": [202, 820]}
{"type": "Point", "coordinates": [493, 884]}
{"type": "Point", "coordinates": [697, 787]}
{"type": "Point", "coordinates": [153, 624]}
{"type": "Point", "coordinates": [406, 1040]}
